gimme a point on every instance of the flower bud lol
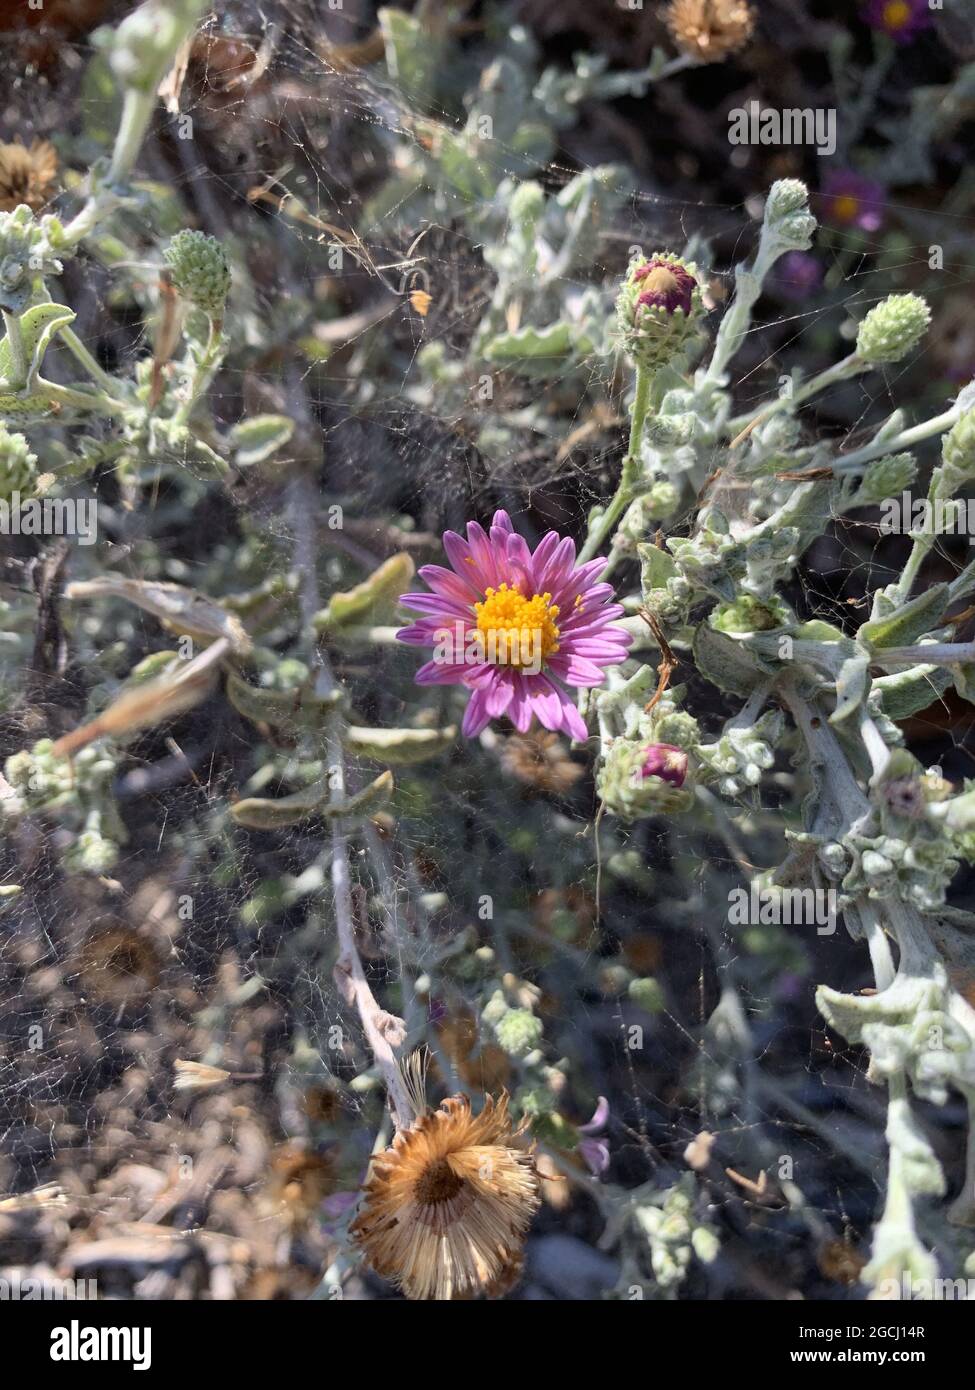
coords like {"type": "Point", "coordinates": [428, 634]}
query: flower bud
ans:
{"type": "Point", "coordinates": [787, 216]}
{"type": "Point", "coordinates": [200, 271]}
{"type": "Point", "coordinates": [785, 196]}
{"type": "Point", "coordinates": [665, 761]}
{"type": "Point", "coordinates": [657, 309]}
{"type": "Point", "coordinates": [142, 48]}
{"type": "Point", "coordinates": [18, 466]}
{"type": "Point", "coordinates": [958, 447]}
{"type": "Point", "coordinates": [885, 477]}
{"type": "Point", "coordinates": [638, 779]}
{"type": "Point", "coordinates": [647, 994]}
{"type": "Point", "coordinates": [518, 1032]}
{"type": "Point", "coordinates": [893, 328]}
{"type": "Point", "coordinates": [23, 258]}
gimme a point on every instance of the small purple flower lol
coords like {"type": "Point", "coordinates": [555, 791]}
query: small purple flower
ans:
{"type": "Point", "coordinates": [516, 626]}
{"type": "Point", "coordinates": [900, 20]}
{"type": "Point", "coordinates": [665, 761]}
{"type": "Point", "coordinates": [850, 200]}
{"type": "Point", "coordinates": [666, 285]}
{"type": "Point", "coordinates": [596, 1151]}
{"type": "Point", "coordinates": [797, 275]}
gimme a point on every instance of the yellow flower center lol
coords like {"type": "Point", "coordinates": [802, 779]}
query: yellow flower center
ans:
{"type": "Point", "coordinates": [896, 14]}
{"type": "Point", "coordinates": [846, 207]}
{"type": "Point", "coordinates": [517, 631]}
{"type": "Point", "coordinates": [659, 281]}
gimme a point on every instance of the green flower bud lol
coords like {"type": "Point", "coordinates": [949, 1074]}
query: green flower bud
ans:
{"type": "Point", "coordinates": [518, 1032]}
{"type": "Point", "coordinates": [647, 994]}
{"type": "Point", "coordinates": [785, 196]}
{"type": "Point", "coordinates": [892, 328]}
{"type": "Point", "coordinates": [705, 1243]}
{"type": "Point", "coordinates": [886, 477]}
{"type": "Point", "coordinates": [658, 308]}
{"type": "Point", "coordinates": [750, 614]}
{"type": "Point", "coordinates": [18, 466]}
{"type": "Point", "coordinates": [671, 431]}
{"type": "Point", "coordinates": [958, 447]}
{"type": "Point", "coordinates": [661, 500]}
{"type": "Point", "coordinates": [787, 217]}
{"type": "Point", "coordinates": [528, 202]}
{"type": "Point", "coordinates": [142, 48]}
{"type": "Point", "coordinates": [24, 257]}
{"type": "Point", "coordinates": [91, 854]}
{"type": "Point", "coordinates": [629, 790]}
{"type": "Point", "coordinates": [678, 728]}
{"type": "Point", "coordinates": [200, 271]}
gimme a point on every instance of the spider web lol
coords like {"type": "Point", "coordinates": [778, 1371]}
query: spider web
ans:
{"type": "Point", "coordinates": [244, 981]}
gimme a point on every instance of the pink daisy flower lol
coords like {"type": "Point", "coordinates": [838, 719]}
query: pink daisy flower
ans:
{"type": "Point", "coordinates": [516, 626]}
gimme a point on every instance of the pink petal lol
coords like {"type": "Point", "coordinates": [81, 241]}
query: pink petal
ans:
{"type": "Point", "coordinates": [576, 670]}
{"type": "Point", "coordinates": [451, 585]}
{"type": "Point", "coordinates": [476, 716]}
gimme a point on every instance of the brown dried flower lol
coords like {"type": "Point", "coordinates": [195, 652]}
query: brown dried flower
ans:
{"type": "Point", "coordinates": [446, 1208]}
{"type": "Point", "coordinates": [27, 175]}
{"type": "Point", "coordinates": [708, 30]}
{"type": "Point", "coordinates": [118, 966]}
{"type": "Point", "coordinates": [540, 760]}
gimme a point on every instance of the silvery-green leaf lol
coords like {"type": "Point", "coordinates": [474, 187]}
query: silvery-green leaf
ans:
{"type": "Point", "coordinates": [256, 439]}
{"type": "Point", "coordinates": [300, 708]}
{"type": "Point", "coordinates": [275, 813]}
{"type": "Point", "coordinates": [399, 746]}
{"type": "Point", "coordinates": [37, 327]}
{"type": "Point", "coordinates": [907, 623]}
{"type": "Point", "coordinates": [903, 693]}
{"type": "Point", "coordinates": [371, 598]}
{"type": "Point", "coordinates": [852, 685]}
{"type": "Point", "coordinates": [728, 664]}
{"type": "Point", "coordinates": [656, 567]}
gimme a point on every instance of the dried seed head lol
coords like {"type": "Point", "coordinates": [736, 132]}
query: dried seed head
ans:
{"type": "Point", "coordinates": [447, 1207]}
{"type": "Point", "coordinates": [27, 174]}
{"type": "Point", "coordinates": [708, 30]}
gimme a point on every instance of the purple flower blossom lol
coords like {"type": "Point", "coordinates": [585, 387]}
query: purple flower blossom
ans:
{"type": "Point", "coordinates": [665, 761]}
{"type": "Point", "coordinates": [900, 20]}
{"type": "Point", "coordinates": [797, 275]}
{"type": "Point", "coordinates": [850, 200]}
{"type": "Point", "coordinates": [596, 1151]}
{"type": "Point", "coordinates": [667, 285]}
{"type": "Point", "coordinates": [516, 626]}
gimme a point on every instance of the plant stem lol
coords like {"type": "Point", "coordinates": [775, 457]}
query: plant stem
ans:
{"type": "Point", "coordinates": [606, 522]}
{"type": "Point", "coordinates": [840, 371]}
{"type": "Point", "coordinates": [101, 403]}
{"type": "Point", "coordinates": [75, 346]}
{"type": "Point", "coordinates": [18, 353]}
{"type": "Point", "coordinates": [382, 1031]}
{"type": "Point", "coordinates": [203, 372]}
{"type": "Point", "coordinates": [938, 424]}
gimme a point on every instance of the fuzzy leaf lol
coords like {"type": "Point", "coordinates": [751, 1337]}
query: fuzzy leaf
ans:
{"type": "Point", "coordinates": [275, 813]}
{"type": "Point", "coordinates": [728, 664]}
{"type": "Point", "coordinates": [257, 439]}
{"type": "Point", "coordinates": [289, 709]}
{"type": "Point", "coordinates": [399, 746]}
{"type": "Point", "coordinates": [375, 594]}
{"type": "Point", "coordinates": [905, 692]}
{"type": "Point", "coordinates": [909, 622]}
{"type": "Point", "coordinates": [852, 685]}
{"type": "Point", "coordinates": [37, 327]}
